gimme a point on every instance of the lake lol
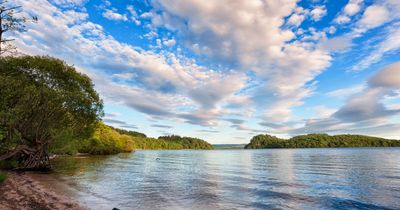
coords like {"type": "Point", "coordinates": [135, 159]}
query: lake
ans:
{"type": "Point", "coordinates": [347, 178]}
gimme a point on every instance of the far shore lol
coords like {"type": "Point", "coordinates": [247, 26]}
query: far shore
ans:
{"type": "Point", "coordinates": [24, 190]}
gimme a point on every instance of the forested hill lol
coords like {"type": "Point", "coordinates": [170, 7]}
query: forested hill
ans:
{"type": "Point", "coordinates": [130, 133]}
{"type": "Point", "coordinates": [186, 142]}
{"type": "Point", "coordinates": [108, 140]}
{"type": "Point", "coordinates": [319, 141]}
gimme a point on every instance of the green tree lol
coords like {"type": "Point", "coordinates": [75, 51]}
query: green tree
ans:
{"type": "Point", "coordinates": [41, 97]}
{"type": "Point", "coordinates": [264, 141]}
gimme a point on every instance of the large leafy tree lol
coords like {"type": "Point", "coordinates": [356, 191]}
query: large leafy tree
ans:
{"type": "Point", "coordinates": [40, 97]}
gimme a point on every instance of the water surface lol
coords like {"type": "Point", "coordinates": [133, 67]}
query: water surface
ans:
{"type": "Point", "coordinates": [362, 178]}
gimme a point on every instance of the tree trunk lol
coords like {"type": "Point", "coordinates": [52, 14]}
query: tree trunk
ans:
{"type": "Point", "coordinates": [38, 160]}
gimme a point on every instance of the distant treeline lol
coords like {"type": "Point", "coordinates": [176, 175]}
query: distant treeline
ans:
{"type": "Point", "coordinates": [130, 133]}
{"type": "Point", "coordinates": [109, 140]}
{"type": "Point", "coordinates": [319, 141]}
{"type": "Point", "coordinates": [229, 146]}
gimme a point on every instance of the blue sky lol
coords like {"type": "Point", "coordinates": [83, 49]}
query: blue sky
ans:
{"type": "Point", "coordinates": [227, 70]}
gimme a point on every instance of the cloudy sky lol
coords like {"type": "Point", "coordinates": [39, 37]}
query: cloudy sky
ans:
{"type": "Point", "coordinates": [225, 70]}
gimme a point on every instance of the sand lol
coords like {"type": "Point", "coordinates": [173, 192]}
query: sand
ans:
{"type": "Point", "coordinates": [23, 191]}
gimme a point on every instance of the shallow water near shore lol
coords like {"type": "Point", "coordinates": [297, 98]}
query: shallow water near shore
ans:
{"type": "Point", "coordinates": [347, 178]}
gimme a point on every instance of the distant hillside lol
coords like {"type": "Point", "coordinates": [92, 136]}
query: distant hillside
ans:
{"type": "Point", "coordinates": [186, 142]}
{"type": "Point", "coordinates": [130, 133]}
{"type": "Point", "coordinates": [319, 141]}
{"type": "Point", "coordinates": [229, 146]}
{"type": "Point", "coordinates": [108, 140]}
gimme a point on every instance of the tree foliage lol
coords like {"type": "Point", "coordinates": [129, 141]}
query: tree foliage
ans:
{"type": "Point", "coordinates": [9, 22]}
{"type": "Point", "coordinates": [108, 140]}
{"type": "Point", "coordinates": [164, 142]}
{"type": "Point", "coordinates": [320, 141]}
{"type": "Point", "coordinates": [41, 97]}
{"type": "Point", "coordinates": [187, 142]}
{"type": "Point", "coordinates": [130, 133]}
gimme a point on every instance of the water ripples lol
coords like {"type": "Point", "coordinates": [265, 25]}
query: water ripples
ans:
{"type": "Point", "coordinates": [238, 179]}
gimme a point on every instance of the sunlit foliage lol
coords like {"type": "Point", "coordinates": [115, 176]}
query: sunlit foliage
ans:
{"type": "Point", "coordinates": [320, 141]}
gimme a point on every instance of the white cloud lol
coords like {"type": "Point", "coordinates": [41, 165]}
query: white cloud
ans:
{"type": "Point", "coordinates": [323, 111]}
{"type": "Point", "coordinates": [341, 19]}
{"type": "Point", "coordinates": [364, 112]}
{"type": "Point", "coordinates": [368, 104]}
{"type": "Point", "coordinates": [383, 14]}
{"type": "Point", "coordinates": [351, 9]}
{"type": "Point", "coordinates": [236, 34]}
{"type": "Point", "coordinates": [389, 77]}
{"type": "Point", "coordinates": [169, 42]}
{"type": "Point", "coordinates": [169, 85]}
{"type": "Point", "coordinates": [132, 10]}
{"type": "Point", "coordinates": [134, 16]}
{"type": "Point", "coordinates": [298, 16]}
{"type": "Point", "coordinates": [295, 19]}
{"type": "Point", "coordinates": [345, 92]}
{"type": "Point", "coordinates": [374, 16]}
{"type": "Point", "coordinates": [69, 3]}
{"type": "Point", "coordinates": [378, 14]}
{"type": "Point", "coordinates": [271, 71]}
{"type": "Point", "coordinates": [365, 106]}
{"type": "Point", "coordinates": [337, 44]}
{"type": "Point", "coordinates": [113, 15]}
{"type": "Point", "coordinates": [389, 44]}
{"type": "Point", "coordinates": [318, 12]}
{"type": "Point", "coordinates": [125, 76]}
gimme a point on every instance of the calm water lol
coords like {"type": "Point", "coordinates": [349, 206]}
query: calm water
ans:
{"type": "Point", "coordinates": [237, 179]}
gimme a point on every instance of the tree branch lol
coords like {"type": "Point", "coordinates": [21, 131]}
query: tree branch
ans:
{"type": "Point", "coordinates": [18, 149]}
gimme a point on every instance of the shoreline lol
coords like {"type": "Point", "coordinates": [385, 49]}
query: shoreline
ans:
{"type": "Point", "coordinates": [25, 191]}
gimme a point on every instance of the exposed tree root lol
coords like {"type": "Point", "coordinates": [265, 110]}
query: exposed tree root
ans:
{"type": "Point", "coordinates": [36, 159]}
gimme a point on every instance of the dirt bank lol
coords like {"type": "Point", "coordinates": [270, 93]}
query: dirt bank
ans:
{"type": "Point", "coordinates": [22, 191]}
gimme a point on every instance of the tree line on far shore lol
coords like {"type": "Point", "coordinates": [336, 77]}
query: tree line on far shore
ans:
{"type": "Point", "coordinates": [109, 140]}
{"type": "Point", "coordinates": [264, 141]}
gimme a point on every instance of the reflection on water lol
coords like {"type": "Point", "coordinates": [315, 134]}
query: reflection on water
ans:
{"type": "Point", "coordinates": [345, 178]}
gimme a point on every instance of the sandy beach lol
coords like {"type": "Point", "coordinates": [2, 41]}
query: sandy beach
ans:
{"type": "Point", "coordinates": [24, 191]}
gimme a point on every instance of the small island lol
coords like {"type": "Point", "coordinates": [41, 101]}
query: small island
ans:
{"type": "Point", "coordinates": [265, 141]}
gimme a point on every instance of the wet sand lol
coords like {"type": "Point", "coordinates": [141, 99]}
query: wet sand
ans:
{"type": "Point", "coordinates": [26, 191]}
